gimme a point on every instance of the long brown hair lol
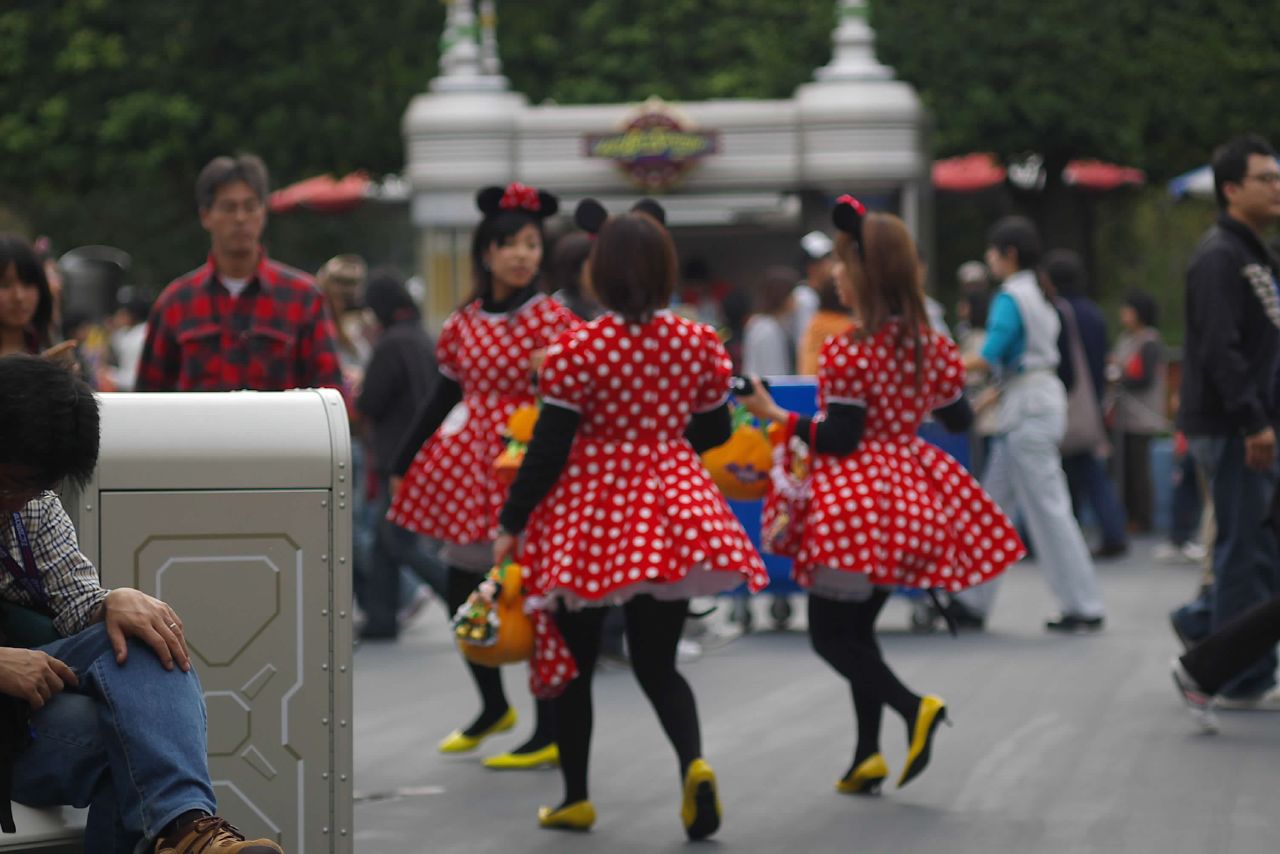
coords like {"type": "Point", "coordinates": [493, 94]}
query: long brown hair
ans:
{"type": "Point", "coordinates": [887, 282]}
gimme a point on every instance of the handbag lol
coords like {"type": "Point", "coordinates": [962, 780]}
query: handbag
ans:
{"type": "Point", "coordinates": [787, 502]}
{"type": "Point", "coordinates": [491, 627]}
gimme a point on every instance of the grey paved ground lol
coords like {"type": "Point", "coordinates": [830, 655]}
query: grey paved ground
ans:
{"type": "Point", "coordinates": [1073, 744]}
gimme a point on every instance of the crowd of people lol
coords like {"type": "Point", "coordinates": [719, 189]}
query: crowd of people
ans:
{"type": "Point", "coordinates": [612, 515]}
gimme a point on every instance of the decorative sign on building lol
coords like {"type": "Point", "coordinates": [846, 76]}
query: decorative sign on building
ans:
{"type": "Point", "coordinates": [655, 146]}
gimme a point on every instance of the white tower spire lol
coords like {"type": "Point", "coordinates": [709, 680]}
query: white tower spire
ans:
{"type": "Point", "coordinates": [854, 55]}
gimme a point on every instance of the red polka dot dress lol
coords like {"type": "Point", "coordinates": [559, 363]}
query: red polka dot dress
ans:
{"type": "Point", "coordinates": [450, 490]}
{"type": "Point", "coordinates": [897, 510]}
{"type": "Point", "coordinates": [634, 510]}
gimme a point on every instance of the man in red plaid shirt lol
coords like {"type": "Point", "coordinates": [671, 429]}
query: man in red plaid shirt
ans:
{"type": "Point", "coordinates": [241, 321]}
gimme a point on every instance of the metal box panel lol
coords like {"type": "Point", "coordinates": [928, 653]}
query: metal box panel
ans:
{"type": "Point", "coordinates": [249, 572]}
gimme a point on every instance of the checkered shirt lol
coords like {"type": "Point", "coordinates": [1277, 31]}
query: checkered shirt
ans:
{"type": "Point", "coordinates": [70, 580]}
{"type": "Point", "coordinates": [275, 335]}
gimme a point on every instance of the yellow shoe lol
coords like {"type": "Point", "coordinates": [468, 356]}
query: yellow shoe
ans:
{"type": "Point", "coordinates": [579, 815]}
{"type": "Point", "coordinates": [459, 742]}
{"type": "Point", "coordinates": [866, 778]}
{"type": "Point", "coordinates": [932, 711]}
{"type": "Point", "coordinates": [700, 808]}
{"type": "Point", "coordinates": [547, 756]}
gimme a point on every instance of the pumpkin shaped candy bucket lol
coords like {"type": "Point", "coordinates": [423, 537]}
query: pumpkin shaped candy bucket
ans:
{"type": "Point", "coordinates": [491, 627]}
{"type": "Point", "coordinates": [518, 433]}
{"type": "Point", "coordinates": [740, 467]}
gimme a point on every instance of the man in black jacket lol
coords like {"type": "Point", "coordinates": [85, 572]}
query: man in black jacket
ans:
{"type": "Point", "coordinates": [1229, 405]}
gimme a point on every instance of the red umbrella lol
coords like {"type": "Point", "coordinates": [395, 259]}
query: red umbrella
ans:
{"type": "Point", "coordinates": [322, 193]}
{"type": "Point", "coordinates": [1096, 175]}
{"type": "Point", "coordinates": [967, 173]}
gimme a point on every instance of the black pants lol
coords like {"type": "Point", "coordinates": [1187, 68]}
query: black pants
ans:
{"type": "Point", "coordinates": [1235, 646]}
{"type": "Point", "coordinates": [1137, 480]}
{"type": "Point", "coordinates": [844, 634]}
{"type": "Point", "coordinates": [653, 629]}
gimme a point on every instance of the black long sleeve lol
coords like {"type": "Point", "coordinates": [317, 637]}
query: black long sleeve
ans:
{"type": "Point", "coordinates": [1149, 359]}
{"type": "Point", "coordinates": [839, 433]}
{"type": "Point", "coordinates": [956, 417]}
{"type": "Point", "coordinates": [543, 461]}
{"type": "Point", "coordinates": [710, 429]}
{"type": "Point", "coordinates": [1066, 361]}
{"type": "Point", "coordinates": [430, 415]}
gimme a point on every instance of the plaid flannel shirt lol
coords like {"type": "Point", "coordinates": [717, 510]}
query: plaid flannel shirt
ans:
{"type": "Point", "coordinates": [70, 580]}
{"type": "Point", "coordinates": [275, 335]}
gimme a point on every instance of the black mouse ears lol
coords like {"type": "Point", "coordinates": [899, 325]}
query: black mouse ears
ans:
{"type": "Point", "coordinates": [652, 208]}
{"type": "Point", "coordinates": [517, 197]}
{"type": "Point", "coordinates": [591, 215]}
{"type": "Point", "coordinates": [848, 215]}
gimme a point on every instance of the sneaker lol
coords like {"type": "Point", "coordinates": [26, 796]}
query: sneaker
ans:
{"type": "Point", "coordinates": [1110, 550]}
{"type": "Point", "coordinates": [1194, 552]}
{"type": "Point", "coordinates": [688, 650]}
{"type": "Point", "coordinates": [1074, 624]}
{"type": "Point", "coordinates": [212, 834]}
{"type": "Point", "coordinates": [1265, 702]}
{"type": "Point", "coordinates": [407, 614]}
{"type": "Point", "coordinates": [1198, 702]}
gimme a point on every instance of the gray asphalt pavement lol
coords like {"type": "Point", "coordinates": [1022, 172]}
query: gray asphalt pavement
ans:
{"type": "Point", "coordinates": [1060, 744]}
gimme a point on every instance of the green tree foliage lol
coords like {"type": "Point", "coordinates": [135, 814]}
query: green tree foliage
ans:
{"type": "Point", "coordinates": [610, 51]}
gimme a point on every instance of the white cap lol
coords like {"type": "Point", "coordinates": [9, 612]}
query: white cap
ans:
{"type": "Point", "coordinates": [816, 245]}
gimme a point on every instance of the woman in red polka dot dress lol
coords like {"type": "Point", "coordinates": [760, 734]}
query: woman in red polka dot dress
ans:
{"type": "Point", "coordinates": [449, 489]}
{"type": "Point", "coordinates": [618, 506]}
{"type": "Point", "coordinates": [885, 508]}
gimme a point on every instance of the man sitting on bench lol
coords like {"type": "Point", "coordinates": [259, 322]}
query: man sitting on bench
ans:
{"type": "Point", "coordinates": [110, 711]}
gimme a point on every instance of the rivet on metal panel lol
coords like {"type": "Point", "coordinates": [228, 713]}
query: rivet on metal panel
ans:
{"type": "Point", "coordinates": [324, 558]}
{"type": "Point", "coordinates": [343, 831]}
{"type": "Point", "coordinates": [342, 723]}
{"type": "Point", "coordinates": [342, 559]}
{"type": "Point", "coordinates": [342, 505]}
{"type": "Point", "coordinates": [324, 666]}
{"type": "Point", "coordinates": [324, 721]}
{"type": "Point", "coordinates": [324, 776]}
{"type": "Point", "coordinates": [342, 669]}
{"type": "Point", "coordinates": [342, 478]}
{"type": "Point", "coordinates": [342, 615]}
{"type": "Point", "coordinates": [324, 830]}
{"type": "Point", "coordinates": [342, 494]}
{"type": "Point", "coordinates": [342, 777]}
{"type": "Point", "coordinates": [88, 508]}
{"type": "Point", "coordinates": [342, 465]}
{"type": "Point", "coordinates": [324, 503]}
{"type": "Point", "coordinates": [325, 612]}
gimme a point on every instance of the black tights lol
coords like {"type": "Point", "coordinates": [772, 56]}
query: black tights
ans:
{"type": "Point", "coordinates": [653, 630]}
{"type": "Point", "coordinates": [493, 700]}
{"type": "Point", "coordinates": [844, 634]}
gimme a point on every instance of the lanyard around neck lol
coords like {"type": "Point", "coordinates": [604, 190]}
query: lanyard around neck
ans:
{"type": "Point", "coordinates": [27, 573]}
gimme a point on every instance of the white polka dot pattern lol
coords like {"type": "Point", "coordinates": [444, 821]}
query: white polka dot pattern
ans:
{"type": "Point", "coordinates": [899, 509]}
{"type": "Point", "coordinates": [634, 504]}
{"type": "Point", "coordinates": [450, 491]}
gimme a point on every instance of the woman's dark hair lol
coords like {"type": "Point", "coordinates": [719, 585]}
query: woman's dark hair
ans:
{"type": "Point", "coordinates": [633, 266]}
{"type": "Point", "coordinates": [1231, 162]}
{"type": "Point", "coordinates": [18, 253]}
{"type": "Point", "coordinates": [1065, 270]}
{"type": "Point", "coordinates": [387, 297]}
{"type": "Point", "coordinates": [881, 259]}
{"type": "Point", "coordinates": [223, 171]}
{"type": "Point", "coordinates": [775, 288]}
{"type": "Point", "coordinates": [1016, 232]}
{"type": "Point", "coordinates": [567, 259]}
{"type": "Point", "coordinates": [48, 421]}
{"type": "Point", "coordinates": [1144, 306]}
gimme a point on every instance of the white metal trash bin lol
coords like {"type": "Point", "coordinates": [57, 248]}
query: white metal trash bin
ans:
{"type": "Point", "coordinates": [235, 508]}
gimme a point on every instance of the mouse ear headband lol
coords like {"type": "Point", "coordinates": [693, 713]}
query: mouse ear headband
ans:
{"type": "Point", "coordinates": [847, 216]}
{"type": "Point", "coordinates": [517, 197]}
{"type": "Point", "coordinates": [652, 208]}
{"type": "Point", "coordinates": [590, 216]}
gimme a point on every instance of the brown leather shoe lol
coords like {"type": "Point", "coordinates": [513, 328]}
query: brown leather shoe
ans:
{"type": "Point", "coordinates": [213, 834]}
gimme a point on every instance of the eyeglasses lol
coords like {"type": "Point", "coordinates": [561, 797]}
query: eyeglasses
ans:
{"type": "Point", "coordinates": [249, 206]}
{"type": "Point", "coordinates": [1271, 179]}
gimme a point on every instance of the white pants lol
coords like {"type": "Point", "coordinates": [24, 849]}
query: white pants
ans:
{"type": "Point", "coordinates": [1024, 476]}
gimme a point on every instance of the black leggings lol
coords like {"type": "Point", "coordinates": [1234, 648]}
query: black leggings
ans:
{"type": "Point", "coordinates": [844, 634]}
{"type": "Point", "coordinates": [493, 700]}
{"type": "Point", "coordinates": [653, 630]}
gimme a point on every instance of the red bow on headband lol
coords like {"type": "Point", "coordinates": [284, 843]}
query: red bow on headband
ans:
{"type": "Point", "coordinates": [521, 196]}
{"type": "Point", "coordinates": [849, 200]}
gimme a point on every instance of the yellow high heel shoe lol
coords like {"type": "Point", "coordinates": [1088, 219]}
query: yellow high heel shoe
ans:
{"type": "Point", "coordinates": [700, 807]}
{"type": "Point", "coordinates": [459, 742]}
{"type": "Point", "coordinates": [865, 779]}
{"type": "Point", "coordinates": [579, 815]}
{"type": "Point", "coordinates": [548, 756]}
{"type": "Point", "coordinates": [932, 711]}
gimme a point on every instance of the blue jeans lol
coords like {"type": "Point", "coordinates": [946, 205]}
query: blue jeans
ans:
{"type": "Point", "coordinates": [1246, 559]}
{"type": "Point", "coordinates": [128, 743]}
{"type": "Point", "coordinates": [1090, 484]}
{"type": "Point", "coordinates": [393, 549]}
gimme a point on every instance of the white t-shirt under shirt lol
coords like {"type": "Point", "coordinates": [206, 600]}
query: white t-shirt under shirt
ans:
{"type": "Point", "coordinates": [234, 286]}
